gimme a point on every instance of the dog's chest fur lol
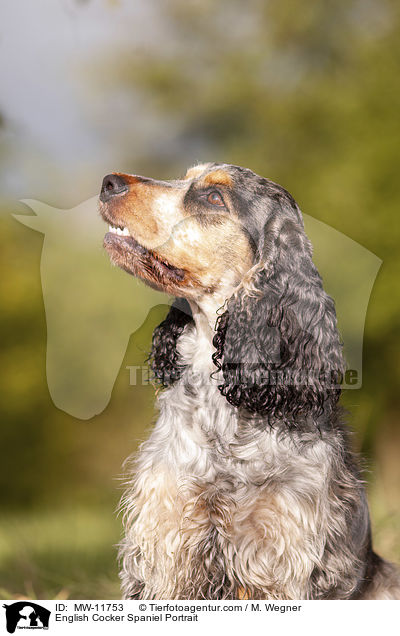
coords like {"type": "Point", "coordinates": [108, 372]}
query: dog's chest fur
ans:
{"type": "Point", "coordinates": [218, 504]}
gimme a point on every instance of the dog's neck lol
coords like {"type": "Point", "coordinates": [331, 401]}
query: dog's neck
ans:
{"type": "Point", "coordinates": [207, 308]}
{"type": "Point", "coordinates": [205, 316]}
{"type": "Point", "coordinates": [196, 349]}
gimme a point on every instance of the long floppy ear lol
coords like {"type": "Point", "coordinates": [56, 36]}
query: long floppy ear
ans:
{"type": "Point", "coordinates": [164, 355]}
{"type": "Point", "coordinates": [277, 344]}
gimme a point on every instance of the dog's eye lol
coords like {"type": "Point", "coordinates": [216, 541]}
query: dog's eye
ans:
{"type": "Point", "coordinates": [215, 198]}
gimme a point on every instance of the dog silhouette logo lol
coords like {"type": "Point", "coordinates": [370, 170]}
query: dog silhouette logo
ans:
{"type": "Point", "coordinates": [26, 615]}
{"type": "Point", "coordinates": [91, 307]}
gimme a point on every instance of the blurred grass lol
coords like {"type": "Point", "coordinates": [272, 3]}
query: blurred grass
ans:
{"type": "Point", "coordinates": [385, 526]}
{"type": "Point", "coordinates": [60, 553]}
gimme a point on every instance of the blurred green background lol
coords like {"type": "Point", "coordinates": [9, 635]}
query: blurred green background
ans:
{"type": "Point", "coordinates": [305, 93]}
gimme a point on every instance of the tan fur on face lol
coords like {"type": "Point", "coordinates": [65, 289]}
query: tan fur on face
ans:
{"type": "Point", "coordinates": [137, 210]}
{"type": "Point", "coordinates": [207, 252]}
{"type": "Point", "coordinates": [196, 171]}
{"type": "Point", "coordinates": [219, 177]}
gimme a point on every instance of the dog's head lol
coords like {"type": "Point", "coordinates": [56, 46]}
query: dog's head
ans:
{"type": "Point", "coordinates": [183, 237]}
{"type": "Point", "coordinates": [224, 236]}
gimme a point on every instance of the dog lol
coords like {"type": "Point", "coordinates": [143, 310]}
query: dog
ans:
{"type": "Point", "coordinates": [248, 486]}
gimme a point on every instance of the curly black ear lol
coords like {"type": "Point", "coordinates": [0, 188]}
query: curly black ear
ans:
{"type": "Point", "coordinates": [277, 344]}
{"type": "Point", "coordinates": [164, 356]}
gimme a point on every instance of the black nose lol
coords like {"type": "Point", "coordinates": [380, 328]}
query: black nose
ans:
{"type": "Point", "coordinates": [112, 184]}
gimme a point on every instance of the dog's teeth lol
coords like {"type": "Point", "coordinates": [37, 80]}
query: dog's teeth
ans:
{"type": "Point", "coordinates": [117, 230]}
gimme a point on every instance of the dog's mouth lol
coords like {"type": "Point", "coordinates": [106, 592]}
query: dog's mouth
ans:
{"type": "Point", "coordinates": [126, 252]}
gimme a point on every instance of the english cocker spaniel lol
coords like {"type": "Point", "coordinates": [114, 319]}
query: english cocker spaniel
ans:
{"type": "Point", "coordinates": [247, 486]}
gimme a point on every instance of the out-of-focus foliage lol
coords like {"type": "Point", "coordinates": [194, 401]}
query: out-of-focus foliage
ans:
{"type": "Point", "coordinates": [304, 93]}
